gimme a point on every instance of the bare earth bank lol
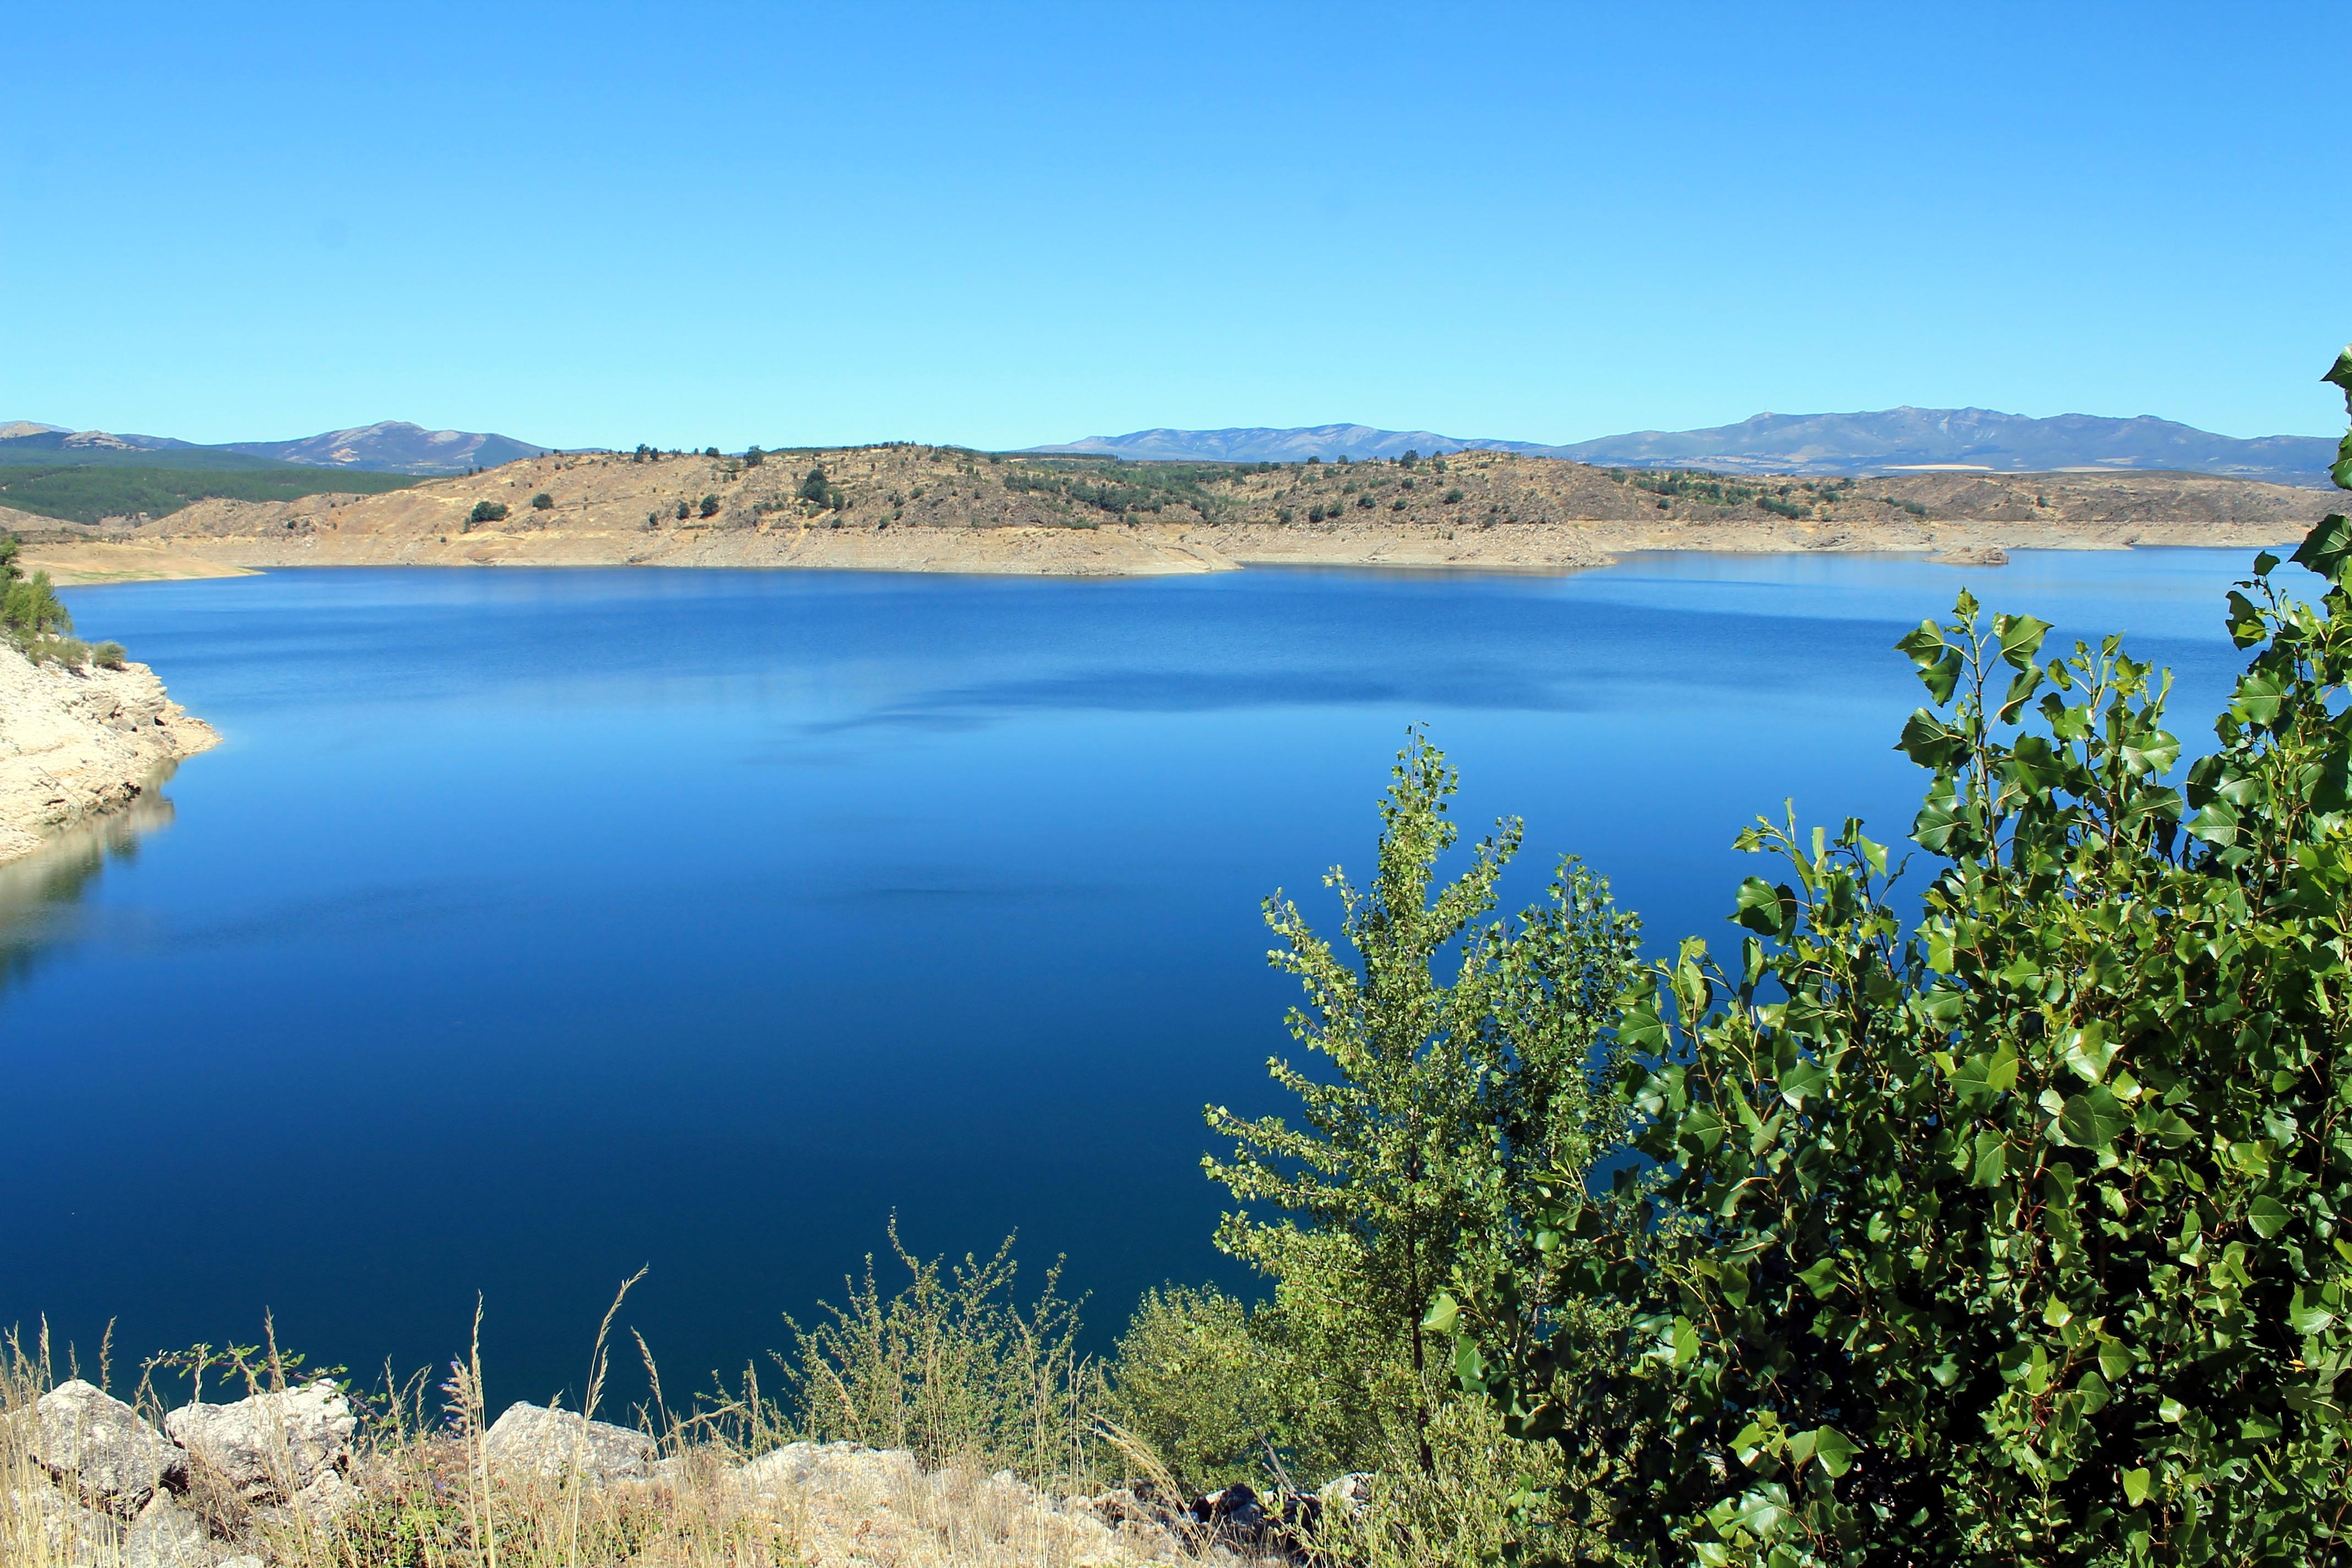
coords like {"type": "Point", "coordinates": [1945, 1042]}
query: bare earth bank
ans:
{"type": "Point", "coordinates": [74, 743]}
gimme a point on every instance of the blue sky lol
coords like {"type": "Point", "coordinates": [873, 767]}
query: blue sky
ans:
{"type": "Point", "coordinates": [697, 224]}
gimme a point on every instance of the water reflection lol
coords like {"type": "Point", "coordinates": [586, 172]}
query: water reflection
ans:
{"type": "Point", "coordinates": [41, 893]}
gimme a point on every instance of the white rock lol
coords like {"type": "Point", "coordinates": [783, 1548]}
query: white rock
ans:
{"type": "Point", "coordinates": [96, 1444]}
{"type": "Point", "coordinates": [558, 1443]}
{"type": "Point", "coordinates": [166, 1535]}
{"type": "Point", "coordinates": [271, 1445]}
{"type": "Point", "coordinates": [74, 1536]}
{"type": "Point", "coordinates": [826, 1466]}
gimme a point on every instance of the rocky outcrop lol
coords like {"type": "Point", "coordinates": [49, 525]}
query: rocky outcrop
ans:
{"type": "Point", "coordinates": [99, 1450]}
{"type": "Point", "coordinates": [558, 1443]}
{"type": "Point", "coordinates": [271, 1447]}
{"type": "Point", "coordinates": [76, 743]}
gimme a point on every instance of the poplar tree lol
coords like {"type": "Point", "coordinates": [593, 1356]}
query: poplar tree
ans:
{"type": "Point", "coordinates": [1453, 1101]}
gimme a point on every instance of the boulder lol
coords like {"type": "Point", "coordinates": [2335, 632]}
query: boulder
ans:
{"type": "Point", "coordinates": [534, 1439]}
{"type": "Point", "coordinates": [271, 1446]}
{"type": "Point", "coordinates": [97, 1445]}
{"type": "Point", "coordinates": [827, 1467]}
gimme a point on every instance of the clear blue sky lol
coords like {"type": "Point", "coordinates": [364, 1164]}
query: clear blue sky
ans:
{"type": "Point", "coordinates": [697, 223]}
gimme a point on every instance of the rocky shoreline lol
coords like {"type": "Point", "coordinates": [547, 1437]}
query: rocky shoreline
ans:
{"type": "Point", "coordinates": [274, 1477]}
{"type": "Point", "coordinates": [78, 744]}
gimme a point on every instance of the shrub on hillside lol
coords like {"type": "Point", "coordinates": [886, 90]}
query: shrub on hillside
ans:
{"type": "Point", "coordinates": [487, 511]}
{"type": "Point", "coordinates": [543, 502]}
{"type": "Point", "coordinates": [109, 655]}
{"type": "Point", "coordinates": [710, 507]}
{"type": "Point", "coordinates": [685, 510]}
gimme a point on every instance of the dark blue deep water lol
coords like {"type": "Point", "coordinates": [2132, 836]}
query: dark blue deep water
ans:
{"type": "Point", "coordinates": [532, 926]}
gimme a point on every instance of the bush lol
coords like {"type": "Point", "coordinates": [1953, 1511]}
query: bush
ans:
{"type": "Point", "coordinates": [543, 502]}
{"type": "Point", "coordinates": [710, 507]}
{"type": "Point", "coordinates": [685, 510]}
{"type": "Point", "coordinates": [710, 451]}
{"type": "Point", "coordinates": [753, 457]}
{"type": "Point", "coordinates": [953, 1366]}
{"type": "Point", "coordinates": [487, 511]}
{"type": "Point", "coordinates": [1451, 495]}
{"type": "Point", "coordinates": [109, 655]}
{"type": "Point", "coordinates": [814, 486]}
{"type": "Point", "coordinates": [2014, 1234]}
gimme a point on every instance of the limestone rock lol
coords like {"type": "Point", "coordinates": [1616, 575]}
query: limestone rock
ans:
{"type": "Point", "coordinates": [270, 1446]}
{"type": "Point", "coordinates": [98, 1446]}
{"type": "Point", "coordinates": [166, 1535]}
{"type": "Point", "coordinates": [74, 743]}
{"type": "Point", "coordinates": [73, 1536]}
{"type": "Point", "coordinates": [557, 1442]}
{"type": "Point", "coordinates": [826, 1468]}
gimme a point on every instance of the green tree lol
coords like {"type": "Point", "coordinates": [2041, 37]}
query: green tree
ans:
{"type": "Point", "coordinates": [543, 502]}
{"type": "Point", "coordinates": [2016, 1235]}
{"type": "Point", "coordinates": [753, 457]}
{"type": "Point", "coordinates": [710, 507]}
{"type": "Point", "coordinates": [815, 486]}
{"type": "Point", "coordinates": [1454, 1104]}
{"type": "Point", "coordinates": [487, 511]}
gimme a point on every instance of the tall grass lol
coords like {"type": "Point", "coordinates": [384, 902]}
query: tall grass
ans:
{"type": "Point", "coordinates": [953, 1367]}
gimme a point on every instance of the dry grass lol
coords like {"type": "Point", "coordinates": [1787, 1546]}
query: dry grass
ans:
{"type": "Point", "coordinates": [425, 1492]}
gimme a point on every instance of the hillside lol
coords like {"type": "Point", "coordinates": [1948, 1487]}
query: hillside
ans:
{"type": "Point", "coordinates": [915, 508]}
{"type": "Point", "coordinates": [394, 447]}
{"type": "Point", "coordinates": [388, 447]}
{"type": "Point", "coordinates": [1892, 440]}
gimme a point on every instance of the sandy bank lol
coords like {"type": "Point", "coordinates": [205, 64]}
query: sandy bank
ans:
{"type": "Point", "coordinates": [75, 744]}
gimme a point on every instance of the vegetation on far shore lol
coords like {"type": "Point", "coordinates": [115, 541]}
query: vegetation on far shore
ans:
{"type": "Point", "coordinates": [91, 492]}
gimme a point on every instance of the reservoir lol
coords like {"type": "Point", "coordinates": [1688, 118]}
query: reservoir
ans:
{"type": "Point", "coordinates": [530, 927]}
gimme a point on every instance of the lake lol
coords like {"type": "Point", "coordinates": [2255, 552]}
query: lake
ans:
{"type": "Point", "coordinates": [532, 926]}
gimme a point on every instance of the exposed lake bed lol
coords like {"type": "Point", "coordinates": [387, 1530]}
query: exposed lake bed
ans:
{"type": "Point", "coordinates": [531, 926]}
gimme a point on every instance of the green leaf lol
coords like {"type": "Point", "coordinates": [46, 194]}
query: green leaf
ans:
{"type": "Point", "coordinates": [1833, 1449]}
{"type": "Point", "coordinates": [1765, 909]}
{"type": "Point", "coordinates": [1685, 1341]}
{"type": "Point", "coordinates": [1982, 1079]}
{"type": "Point", "coordinates": [1822, 1279]}
{"type": "Point", "coordinates": [2324, 549]}
{"type": "Point", "coordinates": [2093, 1119]}
{"type": "Point", "coordinates": [2088, 1051]}
{"type": "Point", "coordinates": [1929, 741]}
{"type": "Point", "coordinates": [1443, 1314]}
{"type": "Point", "coordinates": [2135, 1487]}
{"type": "Point", "coordinates": [2267, 1216]}
{"type": "Point", "coordinates": [2021, 638]}
{"type": "Point", "coordinates": [2308, 1316]}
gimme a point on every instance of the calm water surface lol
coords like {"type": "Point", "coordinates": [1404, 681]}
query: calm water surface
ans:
{"type": "Point", "coordinates": [532, 926]}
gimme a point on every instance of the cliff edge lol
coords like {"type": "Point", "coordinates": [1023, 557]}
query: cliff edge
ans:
{"type": "Point", "coordinates": [76, 743]}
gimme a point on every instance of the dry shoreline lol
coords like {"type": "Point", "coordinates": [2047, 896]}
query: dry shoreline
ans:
{"type": "Point", "coordinates": [1113, 550]}
{"type": "Point", "coordinates": [77, 744]}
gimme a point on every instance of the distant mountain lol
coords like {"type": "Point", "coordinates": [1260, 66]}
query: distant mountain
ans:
{"type": "Point", "coordinates": [1895, 440]}
{"type": "Point", "coordinates": [1257, 443]}
{"type": "Point", "coordinates": [390, 447]}
{"type": "Point", "coordinates": [393, 447]}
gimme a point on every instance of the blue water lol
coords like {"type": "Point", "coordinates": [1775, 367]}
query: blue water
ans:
{"type": "Point", "coordinates": [533, 926]}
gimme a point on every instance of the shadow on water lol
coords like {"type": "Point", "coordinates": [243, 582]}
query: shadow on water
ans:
{"type": "Point", "coordinates": [40, 894]}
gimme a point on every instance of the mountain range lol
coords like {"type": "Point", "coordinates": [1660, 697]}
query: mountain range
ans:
{"type": "Point", "coordinates": [1895, 440]}
{"type": "Point", "coordinates": [390, 446]}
